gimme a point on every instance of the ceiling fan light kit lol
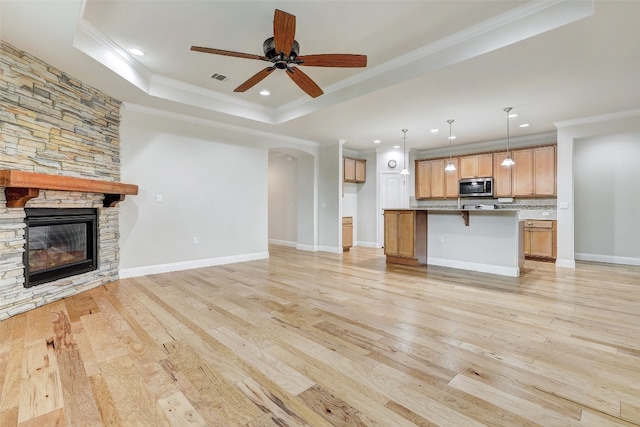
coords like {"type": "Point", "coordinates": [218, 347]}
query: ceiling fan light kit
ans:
{"type": "Point", "coordinates": [283, 52]}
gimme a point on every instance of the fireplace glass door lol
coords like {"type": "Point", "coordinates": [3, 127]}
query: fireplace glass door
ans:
{"type": "Point", "coordinates": [60, 243]}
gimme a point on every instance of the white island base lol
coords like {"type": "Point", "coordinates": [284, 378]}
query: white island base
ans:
{"type": "Point", "coordinates": [492, 242]}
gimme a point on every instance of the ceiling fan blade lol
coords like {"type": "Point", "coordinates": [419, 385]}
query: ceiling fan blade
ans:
{"type": "Point", "coordinates": [228, 53]}
{"type": "Point", "coordinates": [304, 82]}
{"type": "Point", "coordinates": [255, 79]}
{"type": "Point", "coordinates": [334, 60]}
{"type": "Point", "coordinates": [284, 31]}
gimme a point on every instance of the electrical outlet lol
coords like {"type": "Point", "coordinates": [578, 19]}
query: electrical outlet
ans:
{"type": "Point", "coordinates": [194, 240]}
{"type": "Point", "coordinates": [158, 197]}
{"type": "Point", "coordinates": [545, 213]}
{"type": "Point", "coordinates": [441, 239]}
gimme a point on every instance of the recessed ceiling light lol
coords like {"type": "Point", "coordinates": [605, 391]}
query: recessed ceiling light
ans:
{"type": "Point", "coordinates": [396, 146]}
{"type": "Point", "coordinates": [376, 141]}
{"type": "Point", "coordinates": [265, 92]}
{"type": "Point", "coordinates": [136, 52]}
{"type": "Point", "coordinates": [524, 125]}
{"type": "Point", "coordinates": [452, 137]}
{"type": "Point", "coordinates": [435, 130]}
{"type": "Point", "coordinates": [512, 115]}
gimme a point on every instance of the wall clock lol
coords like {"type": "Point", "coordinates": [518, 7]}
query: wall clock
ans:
{"type": "Point", "coordinates": [392, 163]}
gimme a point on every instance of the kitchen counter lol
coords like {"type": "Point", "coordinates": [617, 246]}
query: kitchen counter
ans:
{"type": "Point", "coordinates": [490, 241]}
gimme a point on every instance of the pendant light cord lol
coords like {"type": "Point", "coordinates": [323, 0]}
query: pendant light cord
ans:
{"type": "Point", "coordinates": [508, 110]}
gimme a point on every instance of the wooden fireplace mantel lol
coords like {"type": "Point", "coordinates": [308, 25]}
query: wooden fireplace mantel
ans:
{"type": "Point", "coordinates": [20, 187]}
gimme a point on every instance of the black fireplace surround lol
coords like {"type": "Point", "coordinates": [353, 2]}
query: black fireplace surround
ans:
{"type": "Point", "coordinates": [59, 243]}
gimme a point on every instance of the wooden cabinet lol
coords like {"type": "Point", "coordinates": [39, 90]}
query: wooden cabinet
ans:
{"type": "Point", "coordinates": [522, 173]}
{"type": "Point", "coordinates": [433, 182]}
{"type": "Point", "coordinates": [405, 236]}
{"type": "Point", "coordinates": [430, 179]}
{"type": "Point", "coordinates": [452, 179]}
{"type": "Point", "coordinates": [354, 170]}
{"type": "Point", "coordinates": [532, 175]}
{"type": "Point", "coordinates": [501, 176]}
{"type": "Point", "coordinates": [476, 166]}
{"type": "Point", "coordinates": [544, 177]}
{"type": "Point", "coordinates": [347, 233]}
{"type": "Point", "coordinates": [540, 239]}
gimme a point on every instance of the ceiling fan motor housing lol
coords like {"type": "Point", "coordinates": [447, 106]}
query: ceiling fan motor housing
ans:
{"type": "Point", "coordinates": [269, 48]}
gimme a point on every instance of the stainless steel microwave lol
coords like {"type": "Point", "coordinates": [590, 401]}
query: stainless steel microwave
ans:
{"type": "Point", "coordinates": [476, 187]}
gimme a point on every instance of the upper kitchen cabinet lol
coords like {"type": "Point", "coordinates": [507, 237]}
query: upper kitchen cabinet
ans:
{"type": "Point", "coordinates": [534, 172]}
{"type": "Point", "coordinates": [501, 176]}
{"type": "Point", "coordinates": [533, 175]}
{"type": "Point", "coordinates": [430, 179]}
{"type": "Point", "coordinates": [452, 179]}
{"type": "Point", "coordinates": [354, 170]}
{"type": "Point", "coordinates": [476, 166]}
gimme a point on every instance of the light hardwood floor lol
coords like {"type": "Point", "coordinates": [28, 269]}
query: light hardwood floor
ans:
{"type": "Point", "coordinates": [325, 339]}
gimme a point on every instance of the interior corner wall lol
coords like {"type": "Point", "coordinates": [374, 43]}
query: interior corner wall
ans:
{"type": "Point", "coordinates": [329, 194]}
{"type": "Point", "coordinates": [607, 205]}
{"type": "Point", "coordinates": [283, 200]}
{"type": "Point", "coordinates": [570, 134]}
{"type": "Point", "coordinates": [201, 201]}
{"type": "Point", "coordinates": [367, 235]}
{"type": "Point", "coordinates": [307, 203]}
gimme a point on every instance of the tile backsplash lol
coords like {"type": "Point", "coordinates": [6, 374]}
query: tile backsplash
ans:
{"type": "Point", "coordinates": [527, 208]}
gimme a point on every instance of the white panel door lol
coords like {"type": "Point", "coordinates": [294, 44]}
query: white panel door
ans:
{"type": "Point", "coordinates": [393, 195]}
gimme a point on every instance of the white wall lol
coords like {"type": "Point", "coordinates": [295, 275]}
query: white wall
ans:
{"type": "Point", "coordinates": [607, 200]}
{"type": "Point", "coordinates": [570, 135]}
{"type": "Point", "coordinates": [329, 195]}
{"type": "Point", "coordinates": [367, 205]}
{"type": "Point", "coordinates": [307, 202]}
{"type": "Point", "coordinates": [213, 191]}
{"type": "Point", "coordinates": [283, 200]}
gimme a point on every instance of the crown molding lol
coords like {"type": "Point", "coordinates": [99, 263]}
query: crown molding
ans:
{"type": "Point", "coordinates": [484, 146]}
{"type": "Point", "coordinates": [522, 22]}
{"type": "Point", "coordinates": [600, 118]}
{"type": "Point", "coordinates": [262, 137]}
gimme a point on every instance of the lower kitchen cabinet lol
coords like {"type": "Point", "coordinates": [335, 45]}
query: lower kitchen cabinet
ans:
{"type": "Point", "coordinates": [347, 233]}
{"type": "Point", "coordinates": [540, 239]}
{"type": "Point", "coordinates": [405, 236]}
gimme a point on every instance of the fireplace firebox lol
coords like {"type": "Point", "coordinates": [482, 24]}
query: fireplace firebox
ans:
{"type": "Point", "coordinates": [59, 243]}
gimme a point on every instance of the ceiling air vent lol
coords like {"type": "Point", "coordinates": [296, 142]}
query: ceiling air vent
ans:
{"type": "Point", "coordinates": [220, 77]}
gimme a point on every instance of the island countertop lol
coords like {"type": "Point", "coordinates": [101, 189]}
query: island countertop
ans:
{"type": "Point", "coordinates": [485, 240]}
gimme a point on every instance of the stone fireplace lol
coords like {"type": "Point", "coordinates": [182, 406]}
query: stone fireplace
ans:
{"type": "Point", "coordinates": [52, 124]}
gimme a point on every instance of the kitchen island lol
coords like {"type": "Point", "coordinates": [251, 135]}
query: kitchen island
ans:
{"type": "Point", "coordinates": [489, 241]}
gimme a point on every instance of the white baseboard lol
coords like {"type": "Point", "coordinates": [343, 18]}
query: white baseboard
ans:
{"type": "Point", "coordinates": [188, 265]}
{"type": "Point", "coordinates": [566, 263]}
{"type": "Point", "coordinates": [474, 266]}
{"type": "Point", "coordinates": [282, 243]}
{"type": "Point", "coordinates": [308, 248]}
{"type": "Point", "coordinates": [368, 244]}
{"type": "Point", "coordinates": [610, 259]}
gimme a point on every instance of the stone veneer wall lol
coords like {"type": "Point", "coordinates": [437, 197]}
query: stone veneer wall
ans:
{"type": "Point", "coordinates": [52, 123]}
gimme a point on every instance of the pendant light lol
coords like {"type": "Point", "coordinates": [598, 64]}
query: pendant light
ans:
{"type": "Point", "coordinates": [404, 171]}
{"type": "Point", "coordinates": [450, 166]}
{"type": "Point", "coordinates": [508, 161]}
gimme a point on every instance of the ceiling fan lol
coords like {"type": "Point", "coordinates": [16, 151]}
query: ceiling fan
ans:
{"type": "Point", "coordinates": [282, 51]}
